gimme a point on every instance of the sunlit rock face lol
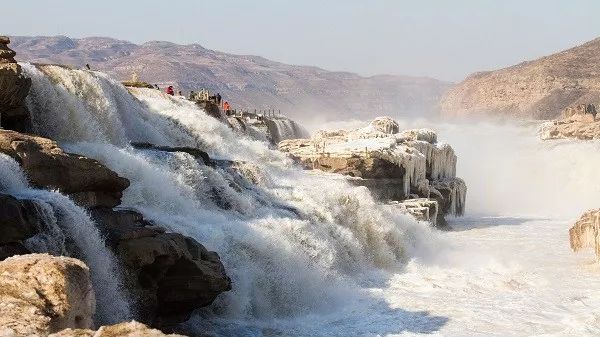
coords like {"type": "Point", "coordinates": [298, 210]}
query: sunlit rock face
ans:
{"type": "Point", "coordinates": [538, 89]}
{"type": "Point", "coordinates": [85, 180]}
{"type": "Point", "coordinates": [42, 294]}
{"type": "Point", "coordinates": [586, 232]}
{"type": "Point", "coordinates": [577, 122]}
{"type": "Point", "coordinates": [13, 90]}
{"type": "Point", "coordinates": [393, 164]}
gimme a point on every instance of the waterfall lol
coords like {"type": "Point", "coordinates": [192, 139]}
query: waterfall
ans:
{"type": "Point", "coordinates": [293, 242]}
{"type": "Point", "coordinates": [65, 225]}
{"type": "Point", "coordinates": [283, 128]}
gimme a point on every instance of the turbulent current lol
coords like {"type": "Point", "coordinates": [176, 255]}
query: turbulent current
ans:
{"type": "Point", "coordinates": [312, 256]}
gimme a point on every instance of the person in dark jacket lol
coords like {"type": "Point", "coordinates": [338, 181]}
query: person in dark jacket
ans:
{"type": "Point", "coordinates": [218, 99]}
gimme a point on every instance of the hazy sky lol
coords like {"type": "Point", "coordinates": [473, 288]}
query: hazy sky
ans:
{"type": "Point", "coordinates": [442, 39]}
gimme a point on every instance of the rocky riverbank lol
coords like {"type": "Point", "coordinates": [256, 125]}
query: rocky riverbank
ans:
{"type": "Point", "coordinates": [409, 168]}
{"type": "Point", "coordinates": [578, 122]}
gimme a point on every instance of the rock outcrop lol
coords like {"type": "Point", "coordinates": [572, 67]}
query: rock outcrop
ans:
{"type": "Point", "coordinates": [169, 274]}
{"type": "Point", "coordinates": [586, 232]}
{"type": "Point", "coordinates": [394, 165]}
{"type": "Point", "coordinates": [14, 87]}
{"type": "Point", "coordinates": [127, 329]}
{"type": "Point", "coordinates": [19, 220]}
{"type": "Point", "coordinates": [537, 89]}
{"type": "Point", "coordinates": [85, 180]}
{"type": "Point", "coordinates": [578, 122]}
{"type": "Point", "coordinates": [41, 294]}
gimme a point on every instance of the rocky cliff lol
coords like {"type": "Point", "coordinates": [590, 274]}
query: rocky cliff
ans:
{"type": "Point", "coordinates": [246, 81]}
{"type": "Point", "coordinates": [538, 89]}
{"type": "Point", "coordinates": [394, 165]}
{"type": "Point", "coordinates": [13, 90]}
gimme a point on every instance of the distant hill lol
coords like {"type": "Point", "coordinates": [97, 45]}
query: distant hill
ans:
{"type": "Point", "coordinates": [538, 89]}
{"type": "Point", "coordinates": [302, 92]}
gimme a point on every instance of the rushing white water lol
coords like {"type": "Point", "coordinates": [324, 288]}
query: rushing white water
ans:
{"type": "Point", "coordinates": [312, 256]}
{"type": "Point", "coordinates": [68, 230]}
{"type": "Point", "coordinates": [283, 128]}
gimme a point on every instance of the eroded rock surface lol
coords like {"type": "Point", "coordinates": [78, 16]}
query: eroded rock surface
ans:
{"type": "Point", "coordinates": [41, 294]}
{"type": "Point", "coordinates": [586, 232]}
{"type": "Point", "coordinates": [169, 274]}
{"type": "Point", "coordinates": [578, 122]}
{"type": "Point", "coordinates": [394, 165]}
{"type": "Point", "coordinates": [86, 181]}
{"type": "Point", "coordinates": [14, 87]}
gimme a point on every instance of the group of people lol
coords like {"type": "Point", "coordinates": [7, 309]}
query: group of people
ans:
{"type": "Point", "coordinates": [202, 95]}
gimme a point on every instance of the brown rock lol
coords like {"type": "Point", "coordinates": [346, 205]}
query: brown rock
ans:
{"type": "Point", "coordinates": [41, 294]}
{"type": "Point", "coordinates": [90, 183]}
{"type": "Point", "coordinates": [586, 232]}
{"type": "Point", "coordinates": [14, 87]}
{"type": "Point", "coordinates": [19, 219]}
{"type": "Point", "coordinates": [169, 274]}
{"type": "Point", "coordinates": [537, 89]}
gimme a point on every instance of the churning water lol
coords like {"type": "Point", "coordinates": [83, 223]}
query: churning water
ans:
{"type": "Point", "coordinates": [312, 256]}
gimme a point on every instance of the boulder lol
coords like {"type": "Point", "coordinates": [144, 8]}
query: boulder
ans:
{"type": "Point", "coordinates": [42, 294]}
{"type": "Point", "coordinates": [393, 165]}
{"type": "Point", "coordinates": [86, 181]}
{"type": "Point", "coordinates": [127, 329]}
{"type": "Point", "coordinates": [586, 232]}
{"type": "Point", "coordinates": [19, 219]}
{"type": "Point", "coordinates": [14, 87]}
{"type": "Point", "coordinates": [169, 274]}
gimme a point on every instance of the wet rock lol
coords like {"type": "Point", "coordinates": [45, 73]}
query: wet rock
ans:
{"type": "Point", "coordinates": [87, 181]}
{"type": "Point", "coordinates": [169, 274]}
{"type": "Point", "coordinates": [196, 153]}
{"type": "Point", "coordinates": [14, 87]}
{"type": "Point", "coordinates": [42, 294]}
{"type": "Point", "coordinates": [19, 219]}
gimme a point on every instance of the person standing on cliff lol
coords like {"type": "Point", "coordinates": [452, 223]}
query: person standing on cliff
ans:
{"type": "Point", "coordinates": [170, 90]}
{"type": "Point", "coordinates": [218, 99]}
{"type": "Point", "coordinates": [226, 107]}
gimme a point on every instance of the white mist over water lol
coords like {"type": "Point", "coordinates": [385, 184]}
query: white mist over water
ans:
{"type": "Point", "coordinates": [312, 256]}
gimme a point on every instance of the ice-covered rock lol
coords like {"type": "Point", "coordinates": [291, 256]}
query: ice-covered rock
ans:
{"type": "Point", "coordinates": [394, 165]}
{"type": "Point", "coordinates": [586, 232]}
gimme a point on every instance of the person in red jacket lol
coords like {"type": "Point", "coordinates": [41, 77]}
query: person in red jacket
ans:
{"type": "Point", "coordinates": [226, 107]}
{"type": "Point", "coordinates": [170, 91]}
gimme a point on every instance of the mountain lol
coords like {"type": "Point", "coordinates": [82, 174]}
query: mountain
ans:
{"type": "Point", "coordinates": [538, 89]}
{"type": "Point", "coordinates": [301, 92]}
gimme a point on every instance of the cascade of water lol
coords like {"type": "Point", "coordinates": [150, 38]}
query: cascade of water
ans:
{"type": "Point", "coordinates": [288, 243]}
{"type": "Point", "coordinates": [68, 230]}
